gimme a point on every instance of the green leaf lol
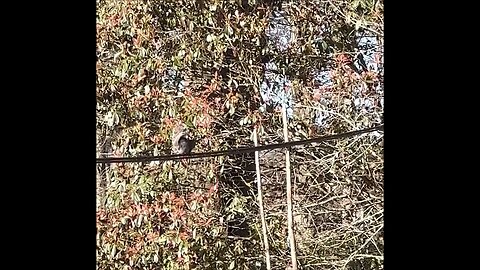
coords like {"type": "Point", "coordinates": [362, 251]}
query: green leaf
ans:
{"type": "Point", "coordinates": [324, 45]}
{"type": "Point", "coordinates": [113, 252]}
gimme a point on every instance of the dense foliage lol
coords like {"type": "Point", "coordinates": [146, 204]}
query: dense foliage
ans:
{"type": "Point", "coordinates": [222, 68]}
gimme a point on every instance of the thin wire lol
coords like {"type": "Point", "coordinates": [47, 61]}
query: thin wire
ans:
{"type": "Point", "coordinates": [240, 150]}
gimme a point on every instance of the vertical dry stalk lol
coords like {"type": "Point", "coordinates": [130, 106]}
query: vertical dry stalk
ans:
{"type": "Point", "coordinates": [260, 202]}
{"type": "Point", "coordinates": [291, 236]}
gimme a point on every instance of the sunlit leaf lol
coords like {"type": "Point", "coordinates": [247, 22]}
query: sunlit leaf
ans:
{"type": "Point", "coordinates": [210, 37]}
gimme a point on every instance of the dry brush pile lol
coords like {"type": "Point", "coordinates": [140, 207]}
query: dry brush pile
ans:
{"type": "Point", "coordinates": [223, 68]}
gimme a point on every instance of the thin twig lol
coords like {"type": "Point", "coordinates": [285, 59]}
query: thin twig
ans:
{"type": "Point", "coordinates": [364, 244]}
{"type": "Point", "coordinates": [324, 202]}
{"type": "Point", "coordinates": [260, 202]}
{"type": "Point", "coordinates": [291, 235]}
{"type": "Point", "coordinates": [355, 20]}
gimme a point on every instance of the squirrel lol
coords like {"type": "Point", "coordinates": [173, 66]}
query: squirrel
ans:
{"type": "Point", "coordinates": [181, 142]}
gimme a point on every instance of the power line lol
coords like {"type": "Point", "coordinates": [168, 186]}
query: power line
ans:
{"type": "Point", "coordinates": [240, 150]}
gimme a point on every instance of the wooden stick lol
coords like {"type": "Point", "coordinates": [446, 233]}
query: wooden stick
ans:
{"type": "Point", "coordinates": [291, 236]}
{"type": "Point", "coordinates": [260, 202]}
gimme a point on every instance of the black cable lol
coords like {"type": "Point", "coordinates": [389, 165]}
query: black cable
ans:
{"type": "Point", "coordinates": [240, 150]}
